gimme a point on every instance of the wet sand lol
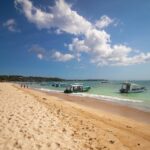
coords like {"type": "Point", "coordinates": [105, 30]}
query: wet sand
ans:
{"type": "Point", "coordinates": [34, 120]}
{"type": "Point", "coordinates": [106, 106]}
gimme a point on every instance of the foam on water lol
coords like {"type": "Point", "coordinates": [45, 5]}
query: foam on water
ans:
{"type": "Point", "coordinates": [101, 97]}
{"type": "Point", "coordinates": [48, 90]}
{"type": "Point", "coordinates": [108, 98]}
{"type": "Point", "coordinates": [129, 102]}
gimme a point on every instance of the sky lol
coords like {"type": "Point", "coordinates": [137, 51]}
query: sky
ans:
{"type": "Point", "coordinates": [74, 39]}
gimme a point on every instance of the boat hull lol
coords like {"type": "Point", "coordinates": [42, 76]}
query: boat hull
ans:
{"type": "Point", "coordinates": [85, 89]}
{"type": "Point", "coordinates": [132, 91]}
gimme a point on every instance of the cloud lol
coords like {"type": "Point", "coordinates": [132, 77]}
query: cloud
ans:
{"type": "Point", "coordinates": [11, 25]}
{"type": "Point", "coordinates": [42, 53]}
{"type": "Point", "coordinates": [60, 16]}
{"type": "Point", "coordinates": [104, 22]}
{"type": "Point", "coordinates": [40, 56]}
{"type": "Point", "coordinates": [62, 57]}
{"type": "Point", "coordinates": [137, 59]}
{"type": "Point", "coordinates": [78, 45]}
{"type": "Point", "coordinates": [89, 38]}
{"type": "Point", "coordinates": [58, 31]}
{"type": "Point", "coordinates": [39, 51]}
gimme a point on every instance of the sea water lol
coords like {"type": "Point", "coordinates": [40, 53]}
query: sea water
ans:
{"type": "Point", "coordinates": [106, 91]}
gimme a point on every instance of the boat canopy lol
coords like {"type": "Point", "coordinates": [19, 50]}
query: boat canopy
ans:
{"type": "Point", "coordinates": [77, 88]}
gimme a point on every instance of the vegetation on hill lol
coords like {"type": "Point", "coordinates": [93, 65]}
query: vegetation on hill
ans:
{"type": "Point", "coordinates": [7, 78]}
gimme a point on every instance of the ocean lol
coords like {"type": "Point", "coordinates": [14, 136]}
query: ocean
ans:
{"type": "Point", "coordinates": [106, 91]}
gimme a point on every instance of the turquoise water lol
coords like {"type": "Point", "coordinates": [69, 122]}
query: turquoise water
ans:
{"type": "Point", "coordinates": [107, 91]}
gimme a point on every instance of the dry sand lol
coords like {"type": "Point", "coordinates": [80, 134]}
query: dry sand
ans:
{"type": "Point", "coordinates": [32, 120]}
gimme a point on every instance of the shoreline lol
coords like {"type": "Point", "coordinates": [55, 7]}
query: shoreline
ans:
{"type": "Point", "coordinates": [132, 103]}
{"type": "Point", "coordinates": [103, 105]}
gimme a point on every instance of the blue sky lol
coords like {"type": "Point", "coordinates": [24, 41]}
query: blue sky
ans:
{"type": "Point", "coordinates": [75, 39]}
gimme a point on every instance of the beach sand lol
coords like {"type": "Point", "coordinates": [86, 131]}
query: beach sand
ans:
{"type": "Point", "coordinates": [32, 120]}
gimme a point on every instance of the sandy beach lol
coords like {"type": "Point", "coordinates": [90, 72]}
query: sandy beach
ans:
{"type": "Point", "coordinates": [32, 120]}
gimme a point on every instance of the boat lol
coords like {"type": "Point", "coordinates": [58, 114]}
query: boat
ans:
{"type": "Point", "coordinates": [75, 88]}
{"type": "Point", "coordinates": [55, 84]}
{"type": "Point", "coordinates": [104, 81]}
{"type": "Point", "coordinates": [128, 87]}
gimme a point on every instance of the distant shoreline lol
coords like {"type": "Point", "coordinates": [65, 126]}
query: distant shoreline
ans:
{"type": "Point", "coordinates": [23, 78]}
{"type": "Point", "coordinates": [20, 78]}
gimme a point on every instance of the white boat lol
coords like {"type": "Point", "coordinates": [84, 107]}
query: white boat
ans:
{"type": "Point", "coordinates": [128, 87]}
{"type": "Point", "coordinates": [75, 88]}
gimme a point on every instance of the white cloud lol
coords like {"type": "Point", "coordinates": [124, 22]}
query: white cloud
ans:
{"type": "Point", "coordinates": [120, 50]}
{"type": "Point", "coordinates": [58, 31]}
{"type": "Point", "coordinates": [137, 59]}
{"type": "Point", "coordinates": [78, 45]}
{"type": "Point", "coordinates": [104, 22]}
{"type": "Point", "coordinates": [62, 57]}
{"type": "Point", "coordinates": [40, 56]}
{"type": "Point", "coordinates": [60, 16]}
{"type": "Point", "coordinates": [11, 25]}
{"type": "Point", "coordinates": [40, 52]}
{"type": "Point", "coordinates": [90, 38]}
{"type": "Point", "coordinates": [35, 15]}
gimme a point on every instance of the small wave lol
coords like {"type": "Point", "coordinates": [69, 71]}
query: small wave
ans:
{"type": "Point", "coordinates": [101, 97]}
{"type": "Point", "coordinates": [108, 98]}
{"type": "Point", "coordinates": [49, 90]}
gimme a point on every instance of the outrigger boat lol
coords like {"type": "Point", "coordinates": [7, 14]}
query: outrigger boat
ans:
{"type": "Point", "coordinates": [55, 84]}
{"type": "Point", "coordinates": [75, 88]}
{"type": "Point", "coordinates": [128, 87]}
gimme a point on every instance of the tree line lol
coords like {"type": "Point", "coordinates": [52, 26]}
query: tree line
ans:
{"type": "Point", "coordinates": [17, 78]}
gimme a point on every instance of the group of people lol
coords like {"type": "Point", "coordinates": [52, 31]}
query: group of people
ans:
{"type": "Point", "coordinates": [24, 86]}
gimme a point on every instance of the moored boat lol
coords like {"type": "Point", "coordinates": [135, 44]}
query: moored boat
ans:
{"type": "Point", "coordinates": [128, 87]}
{"type": "Point", "coordinates": [75, 88]}
{"type": "Point", "coordinates": [55, 84]}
